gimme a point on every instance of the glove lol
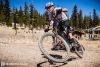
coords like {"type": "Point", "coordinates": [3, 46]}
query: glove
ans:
{"type": "Point", "coordinates": [46, 30]}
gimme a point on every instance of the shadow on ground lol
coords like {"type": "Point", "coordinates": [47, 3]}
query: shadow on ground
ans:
{"type": "Point", "coordinates": [54, 63]}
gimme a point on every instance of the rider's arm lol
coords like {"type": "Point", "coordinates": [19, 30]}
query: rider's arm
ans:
{"type": "Point", "coordinates": [61, 9]}
{"type": "Point", "coordinates": [64, 9]}
{"type": "Point", "coordinates": [51, 24]}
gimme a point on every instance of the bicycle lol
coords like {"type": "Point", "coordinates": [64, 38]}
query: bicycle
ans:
{"type": "Point", "coordinates": [57, 40]}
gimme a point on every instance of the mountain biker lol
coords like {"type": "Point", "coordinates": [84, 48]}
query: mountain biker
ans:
{"type": "Point", "coordinates": [58, 16]}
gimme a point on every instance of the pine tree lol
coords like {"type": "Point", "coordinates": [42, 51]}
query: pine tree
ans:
{"type": "Point", "coordinates": [74, 18]}
{"type": "Point", "coordinates": [1, 6]}
{"type": "Point", "coordinates": [35, 15]}
{"type": "Point", "coordinates": [80, 19]}
{"type": "Point", "coordinates": [95, 18]}
{"type": "Point", "coordinates": [16, 14]}
{"type": "Point", "coordinates": [20, 16]}
{"type": "Point", "coordinates": [46, 17]}
{"type": "Point", "coordinates": [7, 13]}
{"type": "Point", "coordinates": [90, 21]}
{"type": "Point", "coordinates": [38, 21]}
{"type": "Point", "coordinates": [26, 15]}
{"type": "Point", "coordinates": [14, 18]}
{"type": "Point", "coordinates": [31, 16]}
{"type": "Point", "coordinates": [42, 21]}
{"type": "Point", "coordinates": [85, 24]}
{"type": "Point", "coordinates": [1, 12]}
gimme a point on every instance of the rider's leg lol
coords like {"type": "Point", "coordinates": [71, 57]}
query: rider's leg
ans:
{"type": "Point", "coordinates": [67, 27]}
{"type": "Point", "coordinates": [64, 36]}
{"type": "Point", "coordinates": [61, 31]}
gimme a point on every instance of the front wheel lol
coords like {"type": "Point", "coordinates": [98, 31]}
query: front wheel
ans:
{"type": "Point", "coordinates": [45, 45]}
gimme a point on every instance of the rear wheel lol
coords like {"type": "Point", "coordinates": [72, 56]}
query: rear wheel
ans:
{"type": "Point", "coordinates": [45, 45]}
{"type": "Point", "coordinates": [79, 49]}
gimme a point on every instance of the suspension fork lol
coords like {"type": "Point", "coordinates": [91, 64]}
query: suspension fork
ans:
{"type": "Point", "coordinates": [55, 31]}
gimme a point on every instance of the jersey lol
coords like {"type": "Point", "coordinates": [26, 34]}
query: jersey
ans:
{"type": "Point", "coordinates": [58, 15]}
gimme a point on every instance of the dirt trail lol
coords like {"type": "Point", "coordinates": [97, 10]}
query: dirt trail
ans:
{"type": "Point", "coordinates": [24, 51]}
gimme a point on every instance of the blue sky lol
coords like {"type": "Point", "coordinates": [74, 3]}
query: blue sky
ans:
{"type": "Point", "coordinates": [86, 5]}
